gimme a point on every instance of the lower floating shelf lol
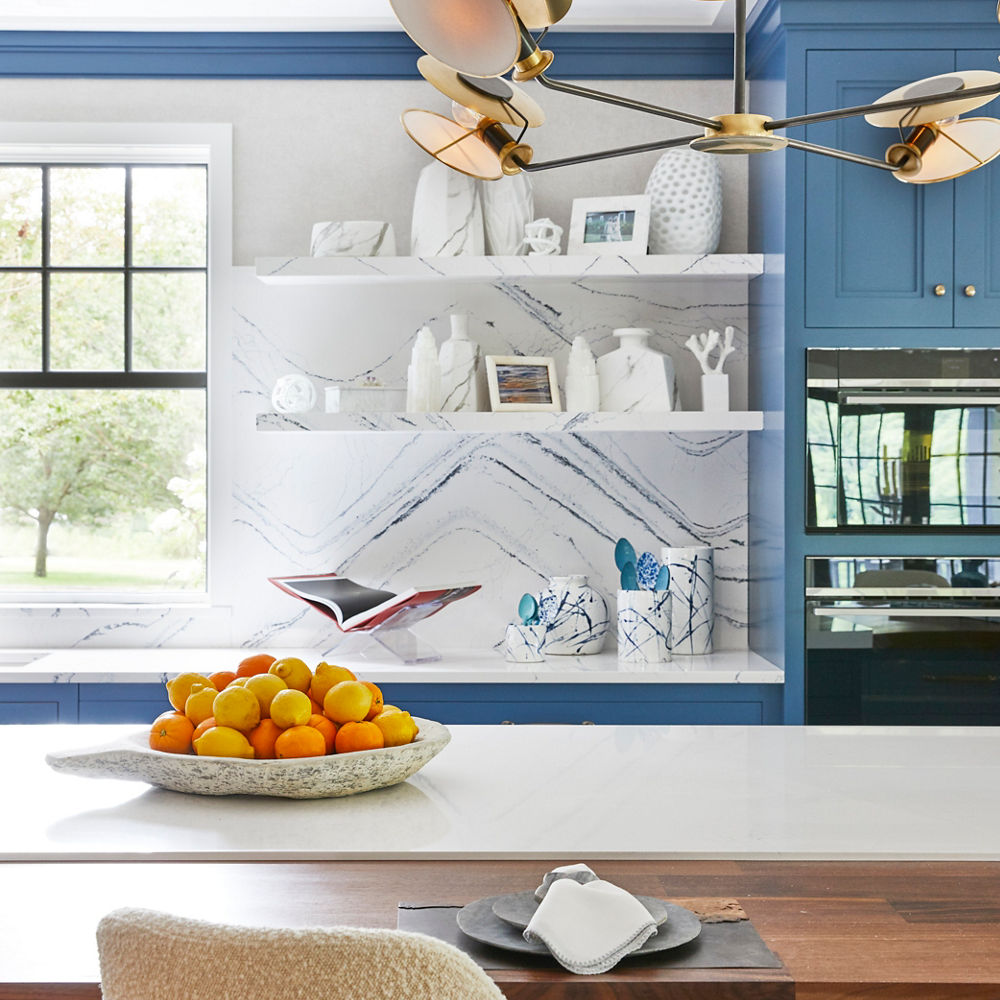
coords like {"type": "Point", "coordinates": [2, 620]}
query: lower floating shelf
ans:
{"type": "Point", "coordinates": [491, 423]}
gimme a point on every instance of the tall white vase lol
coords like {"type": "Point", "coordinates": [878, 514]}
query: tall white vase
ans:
{"type": "Point", "coordinates": [583, 388]}
{"type": "Point", "coordinates": [447, 214]}
{"type": "Point", "coordinates": [634, 377]}
{"type": "Point", "coordinates": [423, 377]}
{"type": "Point", "coordinates": [644, 626]}
{"type": "Point", "coordinates": [692, 586]}
{"type": "Point", "coordinates": [508, 206]}
{"type": "Point", "coordinates": [685, 192]}
{"type": "Point", "coordinates": [459, 359]}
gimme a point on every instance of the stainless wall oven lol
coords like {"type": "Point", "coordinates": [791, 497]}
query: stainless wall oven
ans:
{"type": "Point", "coordinates": [903, 439]}
{"type": "Point", "coordinates": [893, 641]}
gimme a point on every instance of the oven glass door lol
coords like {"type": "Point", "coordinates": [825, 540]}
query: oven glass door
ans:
{"type": "Point", "coordinates": [911, 459]}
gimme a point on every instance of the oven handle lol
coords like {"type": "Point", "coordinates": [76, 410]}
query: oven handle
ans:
{"type": "Point", "coordinates": [842, 612]}
{"type": "Point", "coordinates": [918, 399]}
{"type": "Point", "coordinates": [960, 678]}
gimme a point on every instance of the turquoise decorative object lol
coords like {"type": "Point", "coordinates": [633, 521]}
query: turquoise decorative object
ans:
{"type": "Point", "coordinates": [647, 569]}
{"type": "Point", "coordinates": [662, 578]}
{"type": "Point", "coordinates": [624, 553]}
{"type": "Point", "coordinates": [527, 610]}
{"type": "Point", "coordinates": [630, 581]}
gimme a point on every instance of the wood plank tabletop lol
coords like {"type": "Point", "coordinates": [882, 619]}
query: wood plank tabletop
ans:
{"type": "Point", "coordinates": [884, 930]}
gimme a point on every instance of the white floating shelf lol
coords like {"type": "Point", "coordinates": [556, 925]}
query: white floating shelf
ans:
{"type": "Point", "coordinates": [492, 423]}
{"type": "Point", "coordinates": [672, 267]}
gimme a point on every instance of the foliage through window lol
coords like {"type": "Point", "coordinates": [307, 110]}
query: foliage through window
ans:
{"type": "Point", "coordinates": [103, 377]}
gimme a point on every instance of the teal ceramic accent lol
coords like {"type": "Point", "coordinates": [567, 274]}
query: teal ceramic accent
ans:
{"type": "Point", "coordinates": [630, 581]}
{"type": "Point", "coordinates": [527, 609]}
{"type": "Point", "coordinates": [624, 553]}
{"type": "Point", "coordinates": [662, 578]}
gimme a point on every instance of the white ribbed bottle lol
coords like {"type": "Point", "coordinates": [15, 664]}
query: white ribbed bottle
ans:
{"type": "Point", "coordinates": [459, 359]}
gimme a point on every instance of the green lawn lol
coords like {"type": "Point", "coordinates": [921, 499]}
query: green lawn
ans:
{"type": "Point", "coordinates": [85, 574]}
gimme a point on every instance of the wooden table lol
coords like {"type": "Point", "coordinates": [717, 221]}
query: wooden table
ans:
{"type": "Point", "coordinates": [886, 930]}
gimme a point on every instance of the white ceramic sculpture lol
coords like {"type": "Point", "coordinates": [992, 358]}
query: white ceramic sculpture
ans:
{"type": "Point", "coordinates": [543, 238]}
{"type": "Point", "coordinates": [634, 377]}
{"type": "Point", "coordinates": [353, 239]}
{"type": "Point", "coordinates": [423, 377]}
{"type": "Point", "coordinates": [508, 206]}
{"type": "Point", "coordinates": [644, 626]}
{"type": "Point", "coordinates": [293, 394]}
{"type": "Point", "coordinates": [692, 588]}
{"type": "Point", "coordinates": [447, 214]}
{"type": "Point", "coordinates": [524, 643]}
{"type": "Point", "coordinates": [583, 389]}
{"type": "Point", "coordinates": [714, 382]}
{"type": "Point", "coordinates": [575, 616]}
{"type": "Point", "coordinates": [459, 360]}
{"type": "Point", "coordinates": [685, 191]}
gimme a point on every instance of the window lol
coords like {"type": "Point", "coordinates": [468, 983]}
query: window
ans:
{"type": "Point", "coordinates": [104, 370]}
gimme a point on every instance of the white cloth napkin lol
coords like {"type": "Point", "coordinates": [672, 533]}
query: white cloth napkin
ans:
{"type": "Point", "coordinates": [589, 928]}
{"type": "Point", "coordinates": [579, 873]}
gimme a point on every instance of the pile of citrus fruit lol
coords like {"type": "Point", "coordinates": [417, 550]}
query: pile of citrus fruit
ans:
{"type": "Point", "coordinates": [269, 708]}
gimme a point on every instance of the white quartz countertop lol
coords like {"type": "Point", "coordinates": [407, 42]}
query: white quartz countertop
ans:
{"type": "Point", "coordinates": [553, 792]}
{"type": "Point", "coordinates": [135, 666]}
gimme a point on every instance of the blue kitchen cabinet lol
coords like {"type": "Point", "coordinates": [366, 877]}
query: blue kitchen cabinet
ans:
{"type": "Point", "coordinates": [36, 704]}
{"type": "Point", "coordinates": [122, 702]}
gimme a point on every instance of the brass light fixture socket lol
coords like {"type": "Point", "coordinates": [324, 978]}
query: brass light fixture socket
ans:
{"type": "Point", "coordinates": [739, 133]}
{"type": "Point", "coordinates": [503, 144]}
{"type": "Point", "coordinates": [907, 157]}
{"type": "Point", "coordinates": [537, 62]}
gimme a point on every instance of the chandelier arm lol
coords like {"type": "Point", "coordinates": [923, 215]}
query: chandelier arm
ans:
{"type": "Point", "coordinates": [606, 154]}
{"type": "Point", "coordinates": [992, 89]}
{"type": "Point", "coordinates": [625, 102]}
{"type": "Point", "coordinates": [839, 154]}
{"type": "Point", "coordinates": [740, 59]}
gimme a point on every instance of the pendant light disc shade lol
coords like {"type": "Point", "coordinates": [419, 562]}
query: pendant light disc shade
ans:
{"type": "Point", "coordinates": [924, 114]}
{"type": "Point", "coordinates": [454, 145]}
{"type": "Point", "coordinates": [960, 147]}
{"type": "Point", "coordinates": [475, 37]}
{"type": "Point", "coordinates": [451, 84]}
{"type": "Point", "coordinates": [538, 14]}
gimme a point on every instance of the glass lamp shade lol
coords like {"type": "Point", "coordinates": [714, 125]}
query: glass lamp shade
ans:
{"type": "Point", "coordinates": [475, 37]}
{"type": "Point", "coordinates": [925, 113]}
{"type": "Point", "coordinates": [960, 147]}
{"type": "Point", "coordinates": [456, 146]}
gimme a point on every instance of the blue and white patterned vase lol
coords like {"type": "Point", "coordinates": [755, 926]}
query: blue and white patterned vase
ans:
{"type": "Point", "coordinates": [644, 626]}
{"type": "Point", "coordinates": [524, 643]}
{"type": "Point", "coordinates": [575, 616]}
{"type": "Point", "coordinates": [692, 584]}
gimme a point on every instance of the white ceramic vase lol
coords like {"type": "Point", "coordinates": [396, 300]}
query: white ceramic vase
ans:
{"type": "Point", "coordinates": [459, 360]}
{"type": "Point", "coordinates": [715, 392]}
{"type": "Point", "coordinates": [508, 206]}
{"type": "Point", "coordinates": [644, 626]}
{"type": "Point", "coordinates": [692, 587]}
{"type": "Point", "coordinates": [685, 191]}
{"type": "Point", "coordinates": [575, 616]}
{"type": "Point", "coordinates": [423, 377]}
{"type": "Point", "coordinates": [524, 643]}
{"type": "Point", "coordinates": [634, 377]}
{"type": "Point", "coordinates": [353, 239]}
{"type": "Point", "coordinates": [447, 214]}
{"type": "Point", "coordinates": [583, 388]}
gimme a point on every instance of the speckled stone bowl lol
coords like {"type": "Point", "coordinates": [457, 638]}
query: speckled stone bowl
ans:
{"type": "Point", "coordinates": [130, 759]}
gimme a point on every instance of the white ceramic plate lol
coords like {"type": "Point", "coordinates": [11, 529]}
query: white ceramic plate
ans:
{"type": "Point", "coordinates": [131, 759]}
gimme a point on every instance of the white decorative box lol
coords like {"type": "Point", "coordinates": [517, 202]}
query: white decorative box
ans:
{"type": "Point", "coordinates": [364, 399]}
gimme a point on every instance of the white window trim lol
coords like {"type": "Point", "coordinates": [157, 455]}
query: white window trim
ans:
{"type": "Point", "coordinates": [197, 142]}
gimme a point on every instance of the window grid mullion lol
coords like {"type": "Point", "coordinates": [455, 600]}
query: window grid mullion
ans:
{"type": "Point", "coordinates": [127, 277]}
{"type": "Point", "coordinates": [46, 223]}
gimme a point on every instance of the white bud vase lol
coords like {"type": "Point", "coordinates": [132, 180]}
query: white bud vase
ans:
{"type": "Point", "coordinates": [575, 616]}
{"type": "Point", "coordinates": [583, 388]}
{"type": "Point", "coordinates": [685, 212]}
{"type": "Point", "coordinates": [423, 377]}
{"type": "Point", "coordinates": [692, 585]}
{"type": "Point", "coordinates": [459, 359]}
{"type": "Point", "coordinates": [634, 377]}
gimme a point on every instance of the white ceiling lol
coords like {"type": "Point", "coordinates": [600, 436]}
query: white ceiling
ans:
{"type": "Point", "coordinates": [331, 15]}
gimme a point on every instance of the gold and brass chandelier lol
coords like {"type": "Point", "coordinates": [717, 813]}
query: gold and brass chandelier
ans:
{"type": "Point", "coordinates": [479, 50]}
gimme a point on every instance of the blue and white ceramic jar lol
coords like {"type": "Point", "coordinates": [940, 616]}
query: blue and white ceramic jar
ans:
{"type": "Point", "coordinates": [575, 616]}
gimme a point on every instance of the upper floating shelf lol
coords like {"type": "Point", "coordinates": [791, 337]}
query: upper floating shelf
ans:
{"type": "Point", "coordinates": [671, 267]}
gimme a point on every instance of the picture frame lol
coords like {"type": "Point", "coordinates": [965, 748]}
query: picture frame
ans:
{"type": "Point", "coordinates": [522, 384]}
{"type": "Point", "coordinates": [616, 225]}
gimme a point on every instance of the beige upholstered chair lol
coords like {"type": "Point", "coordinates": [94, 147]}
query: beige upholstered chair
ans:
{"type": "Point", "coordinates": [146, 955]}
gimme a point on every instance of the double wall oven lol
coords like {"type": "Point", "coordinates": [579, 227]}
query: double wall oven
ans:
{"type": "Point", "coordinates": [907, 443]}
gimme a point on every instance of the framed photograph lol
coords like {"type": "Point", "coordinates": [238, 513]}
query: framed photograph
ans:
{"type": "Point", "coordinates": [617, 224]}
{"type": "Point", "coordinates": [522, 384]}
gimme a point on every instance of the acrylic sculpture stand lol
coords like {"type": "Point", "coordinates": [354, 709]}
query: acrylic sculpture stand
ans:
{"type": "Point", "coordinates": [402, 644]}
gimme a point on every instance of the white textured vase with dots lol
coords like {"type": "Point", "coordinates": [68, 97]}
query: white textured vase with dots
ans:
{"type": "Point", "coordinates": [685, 192]}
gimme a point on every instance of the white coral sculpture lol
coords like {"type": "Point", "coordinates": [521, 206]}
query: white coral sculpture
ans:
{"type": "Point", "coordinates": [700, 345]}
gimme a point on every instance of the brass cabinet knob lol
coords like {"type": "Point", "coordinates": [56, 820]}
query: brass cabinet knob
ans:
{"type": "Point", "coordinates": [940, 290]}
{"type": "Point", "coordinates": [969, 290]}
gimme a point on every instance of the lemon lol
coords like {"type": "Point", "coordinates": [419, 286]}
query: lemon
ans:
{"type": "Point", "coordinates": [389, 708]}
{"type": "Point", "coordinates": [265, 687]}
{"type": "Point", "coordinates": [398, 728]}
{"type": "Point", "coordinates": [237, 708]}
{"type": "Point", "coordinates": [180, 687]}
{"type": "Point", "coordinates": [221, 741]}
{"type": "Point", "coordinates": [348, 701]}
{"type": "Point", "coordinates": [293, 672]}
{"type": "Point", "coordinates": [198, 706]}
{"type": "Point", "coordinates": [324, 677]}
{"type": "Point", "coordinates": [290, 708]}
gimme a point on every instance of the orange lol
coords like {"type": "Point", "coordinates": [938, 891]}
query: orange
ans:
{"type": "Point", "coordinates": [171, 733]}
{"type": "Point", "coordinates": [221, 678]}
{"type": "Point", "coordinates": [300, 741]}
{"type": "Point", "coordinates": [258, 663]}
{"type": "Point", "coordinates": [347, 701]}
{"type": "Point", "coordinates": [326, 727]}
{"type": "Point", "coordinates": [324, 677]}
{"type": "Point", "coordinates": [354, 736]}
{"type": "Point", "coordinates": [397, 728]}
{"type": "Point", "coordinates": [317, 708]}
{"type": "Point", "coordinates": [378, 701]}
{"type": "Point", "coordinates": [180, 687]}
{"type": "Point", "coordinates": [262, 739]}
{"type": "Point", "coordinates": [202, 727]}
{"type": "Point", "coordinates": [198, 706]}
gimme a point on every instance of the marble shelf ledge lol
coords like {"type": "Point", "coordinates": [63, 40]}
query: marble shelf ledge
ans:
{"type": "Point", "coordinates": [677, 267]}
{"type": "Point", "coordinates": [492, 423]}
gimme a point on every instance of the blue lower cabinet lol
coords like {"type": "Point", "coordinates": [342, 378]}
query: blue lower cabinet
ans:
{"type": "Point", "coordinates": [37, 704]}
{"type": "Point", "coordinates": [122, 702]}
